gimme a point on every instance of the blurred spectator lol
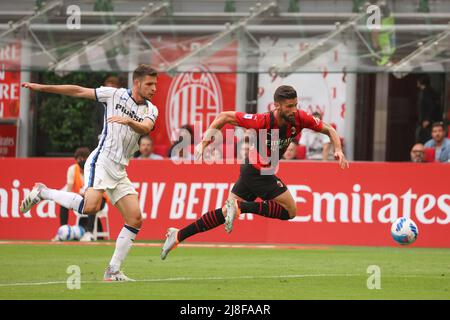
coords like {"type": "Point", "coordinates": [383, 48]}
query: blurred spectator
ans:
{"type": "Point", "coordinates": [75, 183]}
{"type": "Point", "coordinates": [178, 152]}
{"type": "Point", "coordinates": [291, 152]}
{"type": "Point", "coordinates": [439, 142]}
{"type": "Point", "coordinates": [418, 153]}
{"type": "Point", "coordinates": [429, 110]}
{"type": "Point", "coordinates": [317, 144]}
{"type": "Point", "coordinates": [112, 81]}
{"type": "Point", "coordinates": [146, 149]}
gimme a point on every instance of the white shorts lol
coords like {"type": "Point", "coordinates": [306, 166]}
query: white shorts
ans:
{"type": "Point", "coordinates": [102, 173]}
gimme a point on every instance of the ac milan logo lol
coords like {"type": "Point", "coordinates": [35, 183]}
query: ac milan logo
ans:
{"type": "Point", "coordinates": [194, 98]}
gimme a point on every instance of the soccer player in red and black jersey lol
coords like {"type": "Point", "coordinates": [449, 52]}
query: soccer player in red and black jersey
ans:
{"type": "Point", "coordinates": [255, 180]}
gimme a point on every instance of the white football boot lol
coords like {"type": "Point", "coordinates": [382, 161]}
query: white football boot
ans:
{"type": "Point", "coordinates": [233, 212]}
{"type": "Point", "coordinates": [170, 243]}
{"type": "Point", "coordinates": [32, 198]}
{"type": "Point", "coordinates": [87, 237]}
{"type": "Point", "coordinates": [111, 275]}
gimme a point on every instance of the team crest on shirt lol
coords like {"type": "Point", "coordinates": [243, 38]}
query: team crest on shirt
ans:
{"type": "Point", "coordinates": [194, 97]}
{"type": "Point", "coordinates": [293, 131]}
{"type": "Point", "coordinates": [250, 116]}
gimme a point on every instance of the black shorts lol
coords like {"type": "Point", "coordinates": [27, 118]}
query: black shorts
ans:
{"type": "Point", "coordinates": [252, 184]}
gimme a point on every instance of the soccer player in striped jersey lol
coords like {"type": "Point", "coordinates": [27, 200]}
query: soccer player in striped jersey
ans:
{"type": "Point", "coordinates": [257, 175]}
{"type": "Point", "coordinates": [129, 114]}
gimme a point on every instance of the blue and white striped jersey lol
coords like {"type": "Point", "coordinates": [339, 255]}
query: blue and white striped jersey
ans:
{"type": "Point", "coordinates": [119, 142]}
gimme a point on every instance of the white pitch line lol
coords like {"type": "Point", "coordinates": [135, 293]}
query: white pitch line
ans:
{"type": "Point", "coordinates": [180, 279]}
{"type": "Point", "coordinates": [291, 276]}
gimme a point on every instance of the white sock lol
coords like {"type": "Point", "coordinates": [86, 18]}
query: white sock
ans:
{"type": "Point", "coordinates": [123, 245]}
{"type": "Point", "coordinates": [69, 200]}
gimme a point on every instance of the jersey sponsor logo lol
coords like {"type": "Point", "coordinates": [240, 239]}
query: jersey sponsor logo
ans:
{"type": "Point", "coordinates": [279, 144]}
{"type": "Point", "coordinates": [194, 97]}
{"type": "Point", "coordinates": [249, 116]}
{"type": "Point", "coordinates": [348, 203]}
{"type": "Point", "coordinates": [129, 113]}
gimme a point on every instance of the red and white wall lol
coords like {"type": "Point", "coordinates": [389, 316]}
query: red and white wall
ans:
{"type": "Point", "coordinates": [196, 96]}
{"type": "Point", "coordinates": [9, 97]}
{"type": "Point", "coordinates": [323, 85]}
{"type": "Point", "coordinates": [335, 207]}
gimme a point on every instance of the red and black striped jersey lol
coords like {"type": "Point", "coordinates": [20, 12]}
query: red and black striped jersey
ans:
{"type": "Point", "coordinates": [286, 133]}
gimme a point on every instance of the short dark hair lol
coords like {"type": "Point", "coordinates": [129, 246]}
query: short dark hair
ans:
{"type": "Point", "coordinates": [283, 93]}
{"type": "Point", "coordinates": [438, 124]}
{"type": "Point", "coordinates": [144, 70]}
{"type": "Point", "coordinates": [112, 81]}
{"type": "Point", "coordinates": [81, 152]}
{"type": "Point", "coordinates": [145, 137]}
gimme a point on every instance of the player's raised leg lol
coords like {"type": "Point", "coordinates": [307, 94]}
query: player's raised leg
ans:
{"type": "Point", "coordinates": [282, 207]}
{"type": "Point", "coordinates": [131, 213]}
{"type": "Point", "coordinates": [278, 202]}
{"type": "Point", "coordinates": [207, 221]}
{"type": "Point", "coordinates": [89, 204]}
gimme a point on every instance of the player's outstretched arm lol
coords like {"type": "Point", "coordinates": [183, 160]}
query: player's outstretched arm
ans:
{"type": "Point", "coordinates": [142, 128]}
{"type": "Point", "coordinates": [336, 141]}
{"type": "Point", "coordinates": [226, 117]}
{"type": "Point", "coordinates": [64, 89]}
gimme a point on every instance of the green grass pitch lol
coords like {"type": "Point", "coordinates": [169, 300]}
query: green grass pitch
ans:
{"type": "Point", "coordinates": [38, 271]}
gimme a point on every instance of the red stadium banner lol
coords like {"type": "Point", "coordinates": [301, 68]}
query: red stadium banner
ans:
{"type": "Point", "coordinates": [335, 207]}
{"type": "Point", "coordinates": [10, 80]}
{"type": "Point", "coordinates": [8, 140]}
{"type": "Point", "coordinates": [195, 96]}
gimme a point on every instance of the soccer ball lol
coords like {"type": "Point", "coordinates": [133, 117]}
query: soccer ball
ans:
{"type": "Point", "coordinates": [404, 231]}
{"type": "Point", "coordinates": [78, 232]}
{"type": "Point", "coordinates": [65, 233]}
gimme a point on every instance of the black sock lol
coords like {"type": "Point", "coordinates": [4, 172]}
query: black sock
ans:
{"type": "Point", "coordinates": [63, 216]}
{"type": "Point", "coordinates": [208, 221]}
{"type": "Point", "coordinates": [269, 209]}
